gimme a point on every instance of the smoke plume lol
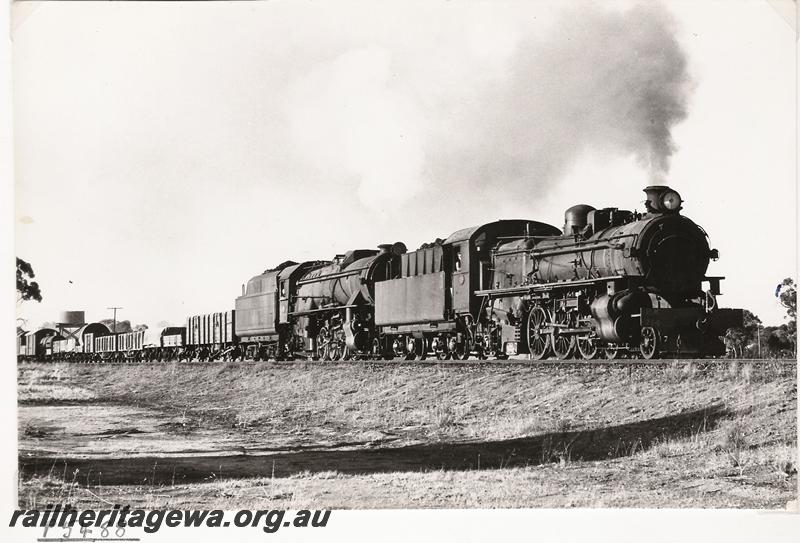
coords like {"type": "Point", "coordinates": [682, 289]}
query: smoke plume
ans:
{"type": "Point", "coordinates": [605, 81]}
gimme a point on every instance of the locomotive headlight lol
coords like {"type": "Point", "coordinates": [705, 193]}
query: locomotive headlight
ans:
{"type": "Point", "coordinates": [671, 201]}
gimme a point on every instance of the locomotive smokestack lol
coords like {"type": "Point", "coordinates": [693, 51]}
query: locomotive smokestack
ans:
{"type": "Point", "coordinates": [384, 248]}
{"type": "Point", "coordinates": [662, 199]}
{"type": "Point", "coordinates": [399, 248]}
{"type": "Point", "coordinates": [653, 192]}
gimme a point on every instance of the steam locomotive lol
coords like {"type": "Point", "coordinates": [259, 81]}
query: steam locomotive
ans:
{"type": "Point", "coordinates": [614, 282]}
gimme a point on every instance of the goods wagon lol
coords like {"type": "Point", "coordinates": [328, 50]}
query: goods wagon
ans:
{"type": "Point", "coordinates": [211, 335]}
{"type": "Point", "coordinates": [38, 344]}
{"type": "Point", "coordinates": [173, 336]}
{"type": "Point", "coordinates": [21, 334]}
{"type": "Point", "coordinates": [105, 347]}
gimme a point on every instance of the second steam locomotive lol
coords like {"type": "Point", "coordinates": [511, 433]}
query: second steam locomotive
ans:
{"type": "Point", "coordinates": [612, 282]}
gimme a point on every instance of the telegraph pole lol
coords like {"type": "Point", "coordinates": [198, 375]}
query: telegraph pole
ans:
{"type": "Point", "coordinates": [758, 335]}
{"type": "Point", "coordinates": [115, 317]}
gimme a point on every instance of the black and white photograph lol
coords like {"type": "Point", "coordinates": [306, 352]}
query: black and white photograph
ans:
{"type": "Point", "coordinates": [288, 258]}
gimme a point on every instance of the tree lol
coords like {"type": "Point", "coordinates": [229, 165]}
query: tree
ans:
{"type": "Point", "coordinates": [744, 338]}
{"type": "Point", "coordinates": [27, 289]}
{"type": "Point", "coordinates": [121, 326]}
{"type": "Point", "coordinates": [787, 295]}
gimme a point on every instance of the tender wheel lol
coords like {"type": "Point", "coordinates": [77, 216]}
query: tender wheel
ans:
{"type": "Point", "coordinates": [411, 349]}
{"type": "Point", "coordinates": [438, 346]}
{"type": "Point", "coordinates": [422, 349]}
{"type": "Point", "coordinates": [648, 345]}
{"type": "Point", "coordinates": [538, 342]}
{"type": "Point", "coordinates": [563, 345]}
{"type": "Point", "coordinates": [587, 346]}
{"type": "Point", "coordinates": [398, 349]}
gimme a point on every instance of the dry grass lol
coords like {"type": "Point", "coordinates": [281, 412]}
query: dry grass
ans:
{"type": "Point", "coordinates": [748, 459]}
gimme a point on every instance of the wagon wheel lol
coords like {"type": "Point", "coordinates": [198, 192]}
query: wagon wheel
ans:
{"type": "Point", "coordinates": [563, 344]}
{"type": "Point", "coordinates": [648, 345]}
{"type": "Point", "coordinates": [587, 346]}
{"type": "Point", "coordinates": [323, 344]}
{"type": "Point", "coordinates": [538, 342]}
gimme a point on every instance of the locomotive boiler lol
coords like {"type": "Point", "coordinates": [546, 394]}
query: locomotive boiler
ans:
{"type": "Point", "coordinates": [334, 304]}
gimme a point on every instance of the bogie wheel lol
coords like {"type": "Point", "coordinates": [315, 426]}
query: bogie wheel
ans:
{"type": "Point", "coordinates": [648, 345]}
{"type": "Point", "coordinates": [587, 346]}
{"type": "Point", "coordinates": [610, 353]}
{"type": "Point", "coordinates": [439, 347]}
{"type": "Point", "coordinates": [422, 349]}
{"type": "Point", "coordinates": [378, 352]}
{"type": "Point", "coordinates": [538, 342]}
{"type": "Point", "coordinates": [563, 345]}
{"type": "Point", "coordinates": [411, 349]}
{"type": "Point", "coordinates": [463, 347]}
{"type": "Point", "coordinates": [398, 349]}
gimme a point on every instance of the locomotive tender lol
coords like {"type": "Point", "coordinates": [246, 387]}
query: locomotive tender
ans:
{"type": "Point", "coordinates": [613, 282]}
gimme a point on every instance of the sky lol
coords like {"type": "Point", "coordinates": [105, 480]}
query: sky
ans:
{"type": "Point", "coordinates": [166, 152]}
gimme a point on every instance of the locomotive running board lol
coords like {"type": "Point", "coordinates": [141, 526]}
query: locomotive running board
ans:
{"type": "Point", "coordinates": [541, 287]}
{"type": "Point", "coordinates": [312, 311]}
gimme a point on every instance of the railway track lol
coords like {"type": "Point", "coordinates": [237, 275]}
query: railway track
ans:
{"type": "Point", "coordinates": [630, 364]}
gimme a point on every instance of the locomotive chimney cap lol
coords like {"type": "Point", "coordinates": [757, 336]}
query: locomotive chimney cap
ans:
{"type": "Point", "coordinates": [662, 199]}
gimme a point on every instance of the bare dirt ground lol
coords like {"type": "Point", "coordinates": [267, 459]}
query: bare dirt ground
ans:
{"type": "Point", "coordinates": [264, 435]}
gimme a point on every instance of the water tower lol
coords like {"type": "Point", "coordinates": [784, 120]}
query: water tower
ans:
{"type": "Point", "coordinates": [70, 323]}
